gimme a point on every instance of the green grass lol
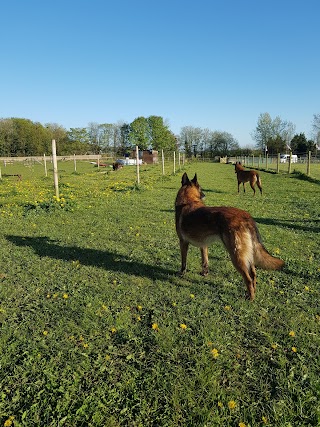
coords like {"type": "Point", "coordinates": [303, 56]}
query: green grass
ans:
{"type": "Point", "coordinates": [98, 330]}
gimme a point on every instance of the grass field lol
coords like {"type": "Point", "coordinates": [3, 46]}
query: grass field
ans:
{"type": "Point", "coordinates": [98, 330]}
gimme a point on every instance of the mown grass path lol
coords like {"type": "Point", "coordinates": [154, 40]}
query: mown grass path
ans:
{"type": "Point", "coordinates": [98, 330]}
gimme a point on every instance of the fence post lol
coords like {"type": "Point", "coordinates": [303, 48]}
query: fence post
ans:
{"type": "Point", "coordinates": [137, 161]}
{"type": "Point", "coordinates": [259, 161]}
{"type": "Point", "coordinates": [45, 165]}
{"type": "Point", "coordinates": [278, 163]}
{"type": "Point", "coordinates": [162, 157]}
{"type": "Point", "coordinates": [309, 162]}
{"type": "Point", "coordinates": [289, 167]}
{"type": "Point", "coordinates": [75, 163]}
{"type": "Point", "coordinates": [55, 168]}
{"type": "Point", "coordinates": [174, 163]}
{"type": "Point", "coordinates": [267, 160]}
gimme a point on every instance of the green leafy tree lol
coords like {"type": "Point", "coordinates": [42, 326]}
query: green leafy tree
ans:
{"type": "Point", "coordinates": [300, 144]}
{"type": "Point", "coordinates": [139, 133]}
{"type": "Point", "coordinates": [160, 136]}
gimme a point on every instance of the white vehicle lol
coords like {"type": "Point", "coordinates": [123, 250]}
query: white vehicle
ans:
{"type": "Point", "coordinates": [284, 158]}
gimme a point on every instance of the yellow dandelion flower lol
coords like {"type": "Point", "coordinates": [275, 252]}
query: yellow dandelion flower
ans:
{"type": "Point", "coordinates": [183, 326]}
{"type": "Point", "coordinates": [242, 424]}
{"type": "Point", "coordinates": [227, 307]}
{"type": "Point", "coordinates": [191, 295]}
{"type": "Point", "coordinates": [174, 304]}
{"type": "Point", "coordinates": [274, 345]}
{"type": "Point", "coordinates": [139, 318]}
{"type": "Point", "coordinates": [264, 420]}
{"type": "Point", "coordinates": [277, 251]}
{"type": "Point", "coordinates": [294, 349]}
{"type": "Point", "coordinates": [232, 404]}
{"type": "Point", "coordinates": [107, 357]}
{"type": "Point", "coordinates": [45, 333]}
{"type": "Point", "coordinates": [306, 288]}
{"type": "Point", "coordinates": [104, 307]}
{"type": "Point", "coordinates": [215, 353]}
{"type": "Point", "coordinates": [292, 334]}
{"type": "Point", "coordinates": [139, 307]}
{"type": "Point", "coordinates": [113, 330]}
{"type": "Point", "coordinates": [155, 326]}
{"type": "Point", "coordinates": [65, 296]}
{"type": "Point", "coordinates": [220, 404]}
{"type": "Point", "coordinates": [85, 345]}
{"type": "Point", "coordinates": [9, 422]}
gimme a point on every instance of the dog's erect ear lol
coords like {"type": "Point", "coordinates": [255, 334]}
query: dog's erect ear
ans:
{"type": "Point", "coordinates": [195, 179]}
{"type": "Point", "coordinates": [185, 180]}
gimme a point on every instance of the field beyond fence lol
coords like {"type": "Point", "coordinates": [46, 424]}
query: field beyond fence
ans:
{"type": "Point", "coordinates": [97, 329]}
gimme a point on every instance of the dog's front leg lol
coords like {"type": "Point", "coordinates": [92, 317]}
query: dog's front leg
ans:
{"type": "Point", "coordinates": [205, 261]}
{"type": "Point", "coordinates": [184, 246]}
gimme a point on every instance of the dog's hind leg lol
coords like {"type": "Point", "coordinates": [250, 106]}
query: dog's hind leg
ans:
{"type": "Point", "coordinates": [184, 246]}
{"type": "Point", "coordinates": [204, 260]}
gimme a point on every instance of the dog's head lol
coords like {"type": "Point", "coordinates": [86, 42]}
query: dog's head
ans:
{"type": "Point", "coordinates": [193, 182]}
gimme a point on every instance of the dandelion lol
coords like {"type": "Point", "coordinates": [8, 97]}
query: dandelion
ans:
{"type": "Point", "coordinates": [306, 288]}
{"type": "Point", "coordinates": [45, 333]}
{"type": "Point", "coordinates": [294, 349]}
{"type": "Point", "coordinates": [65, 296]}
{"type": "Point", "coordinates": [264, 420]}
{"type": "Point", "coordinates": [215, 353]}
{"type": "Point", "coordinates": [113, 330]}
{"type": "Point", "coordinates": [242, 424]}
{"type": "Point", "coordinates": [107, 357]}
{"type": "Point", "coordinates": [277, 251]}
{"type": "Point", "coordinates": [9, 421]}
{"type": "Point", "coordinates": [274, 346]}
{"type": "Point", "coordinates": [155, 326]}
{"type": "Point", "coordinates": [292, 334]}
{"type": "Point", "coordinates": [227, 307]}
{"type": "Point", "coordinates": [191, 296]}
{"type": "Point", "coordinates": [232, 404]}
{"type": "Point", "coordinates": [85, 345]}
{"type": "Point", "coordinates": [220, 404]}
{"type": "Point", "coordinates": [139, 307]}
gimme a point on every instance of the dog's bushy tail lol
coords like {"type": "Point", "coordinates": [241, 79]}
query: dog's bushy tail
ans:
{"type": "Point", "coordinates": [262, 257]}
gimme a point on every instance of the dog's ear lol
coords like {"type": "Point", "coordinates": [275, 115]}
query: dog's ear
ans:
{"type": "Point", "coordinates": [195, 179]}
{"type": "Point", "coordinates": [185, 180]}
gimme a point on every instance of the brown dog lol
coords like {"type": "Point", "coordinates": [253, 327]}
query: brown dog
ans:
{"type": "Point", "coordinates": [201, 225]}
{"type": "Point", "coordinates": [247, 176]}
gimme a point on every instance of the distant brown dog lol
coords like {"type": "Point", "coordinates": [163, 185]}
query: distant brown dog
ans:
{"type": "Point", "coordinates": [201, 225]}
{"type": "Point", "coordinates": [247, 176]}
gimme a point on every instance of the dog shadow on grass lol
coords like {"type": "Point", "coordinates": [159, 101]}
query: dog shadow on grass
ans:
{"type": "Point", "coordinates": [306, 225]}
{"type": "Point", "coordinates": [111, 261]}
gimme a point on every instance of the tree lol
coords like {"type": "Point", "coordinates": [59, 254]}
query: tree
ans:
{"type": "Point", "coordinates": [300, 144]}
{"type": "Point", "coordinates": [160, 137]}
{"type": "Point", "coordinates": [316, 128]}
{"type": "Point", "coordinates": [269, 133]}
{"type": "Point", "coordinates": [139, 133]}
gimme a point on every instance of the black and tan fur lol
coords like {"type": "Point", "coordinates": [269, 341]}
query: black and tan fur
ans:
{"type": "Point", "coordinates": [244, 176]}
{"type": "Point", "coordinates": [200, 225]}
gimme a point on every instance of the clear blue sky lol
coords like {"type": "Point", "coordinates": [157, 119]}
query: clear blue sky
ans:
{"type": "Point", "coordinates": [215, 64]}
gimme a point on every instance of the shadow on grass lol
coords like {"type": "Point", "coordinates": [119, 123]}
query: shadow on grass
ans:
{"type": "Point", "coordinates": [112, 261]}
{"type": "Point", "coordinates": [308, 225]}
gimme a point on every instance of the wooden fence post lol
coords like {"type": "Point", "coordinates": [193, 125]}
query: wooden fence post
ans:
{"type": "Point", "coordinates": [162, 157]}
{"type": "Point", "coordinates": [137, 161]}
{"type": "Point", "coordinates": [75, 163]}
{"type": "Point", "coordinates": [309, 162]}
{"type": "Point", "coordinates": [55, 168]}
{"type": "Point", "coordinates": [278, 163]}
{"type": "Point", "coordinates": [289, 167]}
{"type": "Point", "coordinates": [174, 163]}
{"type": "Point", "coordinates": [45, 165]}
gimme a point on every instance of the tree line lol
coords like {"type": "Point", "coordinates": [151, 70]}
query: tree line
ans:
{"type": "Point", "coordinates": [22, 137]}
